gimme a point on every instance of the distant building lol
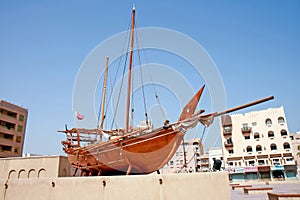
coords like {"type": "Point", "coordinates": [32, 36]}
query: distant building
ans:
{"type": "Point", "coordinates": [256, 146]}
{"type": "Point", "coordinates": [193, 150]}
{"type": "Point", "coordinates": [295, 138]}
{"type": "Point", "coordinates": [12, 129]}
{"type": "Point", "coordinates": [213, 155]}
{"type": "Point", "coordinates": [204, 163]}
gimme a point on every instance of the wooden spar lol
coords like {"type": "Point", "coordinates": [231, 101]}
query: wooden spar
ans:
{"type": "Point", "coordinates": [103, 97]}
{"type": "Point", "coordinates": [129, 70]}
{"type": "Point", "coordinates": [216, 114]}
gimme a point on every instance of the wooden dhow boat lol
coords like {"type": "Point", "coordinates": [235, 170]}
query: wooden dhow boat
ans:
{"type": "Point", "coordinates": [140, 150]}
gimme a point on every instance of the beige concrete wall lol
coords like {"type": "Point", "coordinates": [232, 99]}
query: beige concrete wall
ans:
{"type": "Point", "coordinates": [33, 167]}
{"type": "Point", "coordinates": [151, 187]}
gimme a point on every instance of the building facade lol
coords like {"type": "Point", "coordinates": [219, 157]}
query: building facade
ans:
{"type": "Point", "coordinates": [295, 138]}
{"type": "Point", "coordinates": [189, 163]}
{"type": "Point", "coordinates": [203, 163]}
{"type": "Point", "coordinates": [257, 146]}
{"type": "Point", "coordinates": [13, 120]}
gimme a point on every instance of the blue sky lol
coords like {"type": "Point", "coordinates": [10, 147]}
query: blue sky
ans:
{"type": "Point", "coordinates": [254, 44]}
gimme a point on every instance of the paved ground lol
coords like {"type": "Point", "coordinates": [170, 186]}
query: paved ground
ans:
{"type": "Point", "coordinates": [277, 188]}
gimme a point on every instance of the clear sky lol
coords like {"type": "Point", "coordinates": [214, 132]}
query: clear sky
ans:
{"type": "Point", "coordinates": [255, 45]}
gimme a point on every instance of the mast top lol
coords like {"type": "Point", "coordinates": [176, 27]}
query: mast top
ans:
{"type": "Point", "coordinates": [133, 7]}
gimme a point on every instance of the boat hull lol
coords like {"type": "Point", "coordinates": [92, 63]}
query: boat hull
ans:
{"type": "Point", "coordinates": [142, 154]}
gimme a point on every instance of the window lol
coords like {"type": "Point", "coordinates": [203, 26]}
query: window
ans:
{"type": "Point", "coordinates": [261, 162]}
{"type": "Point", "coordinates": [254, 124]}
{"type": "Point", "coordinates": [289, 159]}
{"type": "Point", "coordinates": [20, 128]}
{"type": "Point", "coordinates": [286, 145]}
{"type": "Point", "coordinates": [8, 125]}
{"type": "Point", "coordinates": [270, 134]}
{"type": "Point", "coordinates": [5, 148]}
{"type": "Point", "coordinates": [16, 150]}
{"type": "Point", "coordinates": [21, 118]}
{"type": "Point", "coordinates": [230, 151]}
{"type": "Point", "coordinates": [229, 141]}
{"type": "Point", "coordinates": [281, 120]}
{"type": "Point", "coordinates": [227, 129]}
{"type": "Point", "coordinates": [18, 139]}
{"type": "Point", "coordinates": [273, 146]}
{"type": "Point", "coordinates": [251, 163]}
{"type": "Point", "coordinates": [258, 148]}
{"type": "Point", "coordinates": [276, 161]}
{"type": "Point", "coordinates": [283, 132]}
{"type": "Point", "coordinates": [249, 149]}
{"type": "Point", "coordinates": [245, 127]}
{"type": "Point", "coordinates": [256, 135]}
{"type": "Point", "coordinates": [6, 136]}
{"type": "Point", "coordinates": [171, 162]}
{"type": "Point", "coordinates": [230, 164]}
{"type": "Point", "coordinates": [247, 137]}
{"type": "Point", "coordinates": [268, 122]}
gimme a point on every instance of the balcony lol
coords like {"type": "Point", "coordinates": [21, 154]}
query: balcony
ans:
{"type": "Point", "coordinates": [227, 132]}
{"type": "Point", "coordinates": [6, 129]}
{"type": "Point", "coordinates": [246, 130]}
{"type": "Point", "coordinates": [203, 164]}
{"type": "Point", "coordinates": [228, 144]}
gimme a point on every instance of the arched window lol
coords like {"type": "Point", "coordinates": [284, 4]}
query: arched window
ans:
{"type": "Point", "coordinates": [32, 174]}
{"type": "Point", "coordinates": [42, 173]}
{"type": "Point", "coordinates": [268, 122]}
{"type": "Point", "coordinates": [270, 134]}
{"type": "Point", "coordinates": [256, 135]}
{"type": "Point", "coordinates": [12, 174]}
{"type": "Point", "coordinates": [22, 174]}
{"type": "Point", "coordinates": [249, 149]}
{"type": "Point", "coordinates": [281, 120]}
{"type": "Point", "coordinates": [286, 145]}
{"type": "Point", "coordinates": [273, 146]}
{"type": "Point", "coordinates": [196, 143]}
{"type": "Point", "coordinates": [258, 148]}
{"type": "Point", "coordinates": [283, 132]}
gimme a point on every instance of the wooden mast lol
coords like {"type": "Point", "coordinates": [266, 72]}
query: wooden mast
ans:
{"type": "Point", "coordinates": [103, 97]}
{"type": "Point", "coordinates": [130, 68]}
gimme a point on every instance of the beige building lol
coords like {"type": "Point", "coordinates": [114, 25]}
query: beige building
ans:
{"type": "Point", "coordinates": [193, 150]}
{"type": "Point", "coordinates": [256, 145]}
{"type": "Point", "coordinates": [295, 137]}
{"type": "Point", "coordinates": [12, 129]}
{"type": "Point", "coordinates": [203, 163]}
{"type": "Point", "coordinates": [215, 154]}
{"type": "Point", "coordinates": [206, 161]}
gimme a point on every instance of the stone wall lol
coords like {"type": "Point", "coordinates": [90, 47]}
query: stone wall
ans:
{"type": "Point", "coordinates": [151, 187]}
{"type": "Point", "coordinates": [34, 167]}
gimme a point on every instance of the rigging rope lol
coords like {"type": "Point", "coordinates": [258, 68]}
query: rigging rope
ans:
{"type": "Point", "coordinates": [122, 80]}
{"type": "Point", "coordinates": [143, 88]}
{"type": "Point", "coordinates": [112, 83]}
{"type": "Point", "coordinates": [152, 83]}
